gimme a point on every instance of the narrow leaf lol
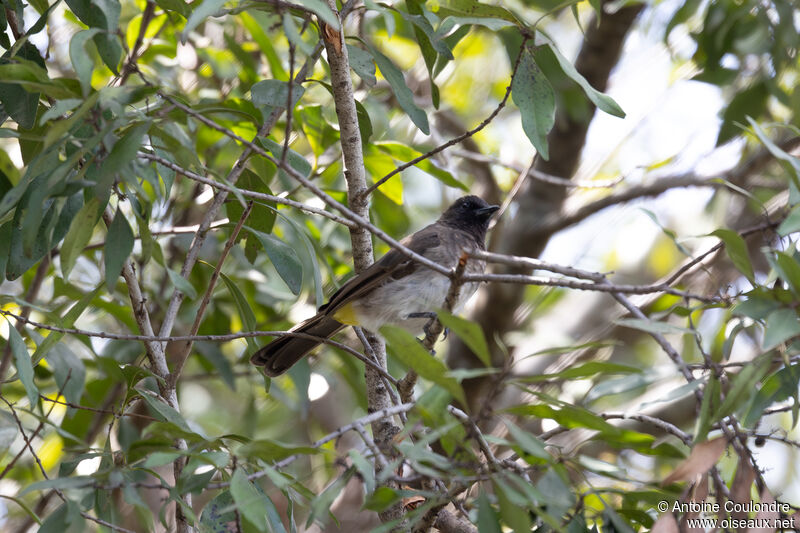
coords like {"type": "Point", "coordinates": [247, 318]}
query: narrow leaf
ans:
{"type": "Point", "coordinates": [249, 500]}
{"type": "Point", "coordinates": [24, 365]}
{"type": "Point", "coordinates": [602, 101]}
{"type": "Point", "coordinates": [469, 332]}
{"type": "Point", "coordinates": [283, 258]}
{"type": "Point", "coordinates": [80, 231]}
{"type": "Point", "coordinates": [736, 249]}
{"type": "Point", "coordinates": [409, 350]}
{"type": "Point", "coordinates": [404, 95]}
{"type": "Point", "coordinates": [704, 455]}
{"type": "Point", "coordinates": [534, 96]}
{"type": "Point", "coordinates": [119, 245]}
{"type": "Point", "coordinates": [204, 10]}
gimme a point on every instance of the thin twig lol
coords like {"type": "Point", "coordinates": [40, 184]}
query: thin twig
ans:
{"type": "Point", "coordinates": [245, 192]}
{"type": "Point", "coordinates": [461, 137]}
{"type": "Point", "coordinates": [187, 347]}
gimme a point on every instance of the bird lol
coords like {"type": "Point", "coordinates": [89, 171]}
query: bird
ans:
{"type": "Point", "coordinates": [395, 289]}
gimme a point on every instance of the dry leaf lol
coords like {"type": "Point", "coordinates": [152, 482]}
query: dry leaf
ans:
{"type": "Point", "coordinates": [765, 516]}
{"type": "Point", "coordinates": [412, 502]}
{"type": "Point", "coordinates": [333, 37]}
{"type": "Point", "coordinates": [740, 488]}
{"type": "Point", "coordinates": [703, 457]}
{"type": "Point", "coordinates": [666, 523]}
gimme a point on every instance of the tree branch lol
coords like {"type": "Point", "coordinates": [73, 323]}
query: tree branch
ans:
{"type": "Point", "coordinates": [378, 398]}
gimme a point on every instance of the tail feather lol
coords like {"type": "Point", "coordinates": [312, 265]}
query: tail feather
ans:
{"type": "Point", "coordinates": [279, 355]}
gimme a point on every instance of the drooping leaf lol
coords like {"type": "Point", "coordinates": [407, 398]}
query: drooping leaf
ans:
{"type": "Point", "coordinates": [162, 410]}
{"type": "Point", "coordinates": [275, 93]}
{"type": "Point", "coordinates": [409, 350]}
{"type": "Point", "coordinates": [182, 284]}
{"type": "Point", "coordinates": [283, 258]}
{"type": "Point", "coordinates": [201, 12]}
{"type": "Point", "coordinates": [704, 455]}
{"type": "Point", "coordinates": [119, 245]}
{"type": "Point", "coordinates": [245, 311]}
{"type": "Point", "coordinates": [22, 360]}
{"type": "Point", "coordinates": [404, 95]}
{"type": "Point", "coordinates": [82, 59]}
{"type": "Point", "coordinates": [469, 332]}
{"type": "Point", "coordinates": [782, 325]}
{"type": "Point", "coordinates": [249, 500]}
{"type": "Point", "coordinates": [601, 100]}
{"type": "Point", "coordinates": [736, 249]}
{"type": "Point", "coordinates": [362, 63]}
{"type": "Point", "coordinates": [534, 96]}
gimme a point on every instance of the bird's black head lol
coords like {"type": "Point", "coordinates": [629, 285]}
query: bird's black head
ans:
{"type": "Point", "coordinates": [470, 213]}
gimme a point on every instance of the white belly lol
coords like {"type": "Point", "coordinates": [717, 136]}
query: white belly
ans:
{"type": "Point", "coordinates": [421, 292]}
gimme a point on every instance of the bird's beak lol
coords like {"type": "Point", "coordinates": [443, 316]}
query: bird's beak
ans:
{"type": "Point", "coordinates": [487, 211]}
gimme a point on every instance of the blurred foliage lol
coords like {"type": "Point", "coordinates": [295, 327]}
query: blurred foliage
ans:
{"type": "Point", "coordinates": [90, 89]}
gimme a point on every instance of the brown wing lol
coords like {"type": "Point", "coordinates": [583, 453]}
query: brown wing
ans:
{"type": "Point", "coordinates": [393, 265]}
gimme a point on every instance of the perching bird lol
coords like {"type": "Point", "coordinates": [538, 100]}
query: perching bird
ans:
{"type": "Point", "coordinates": [395, 289]}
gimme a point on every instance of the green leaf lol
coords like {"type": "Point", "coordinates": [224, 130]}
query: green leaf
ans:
{"type": "Point", "coordinates": [590, 369]}
{"type": "Point", "coordinates": [474, 9]}
{"type": "Point", "coordinates": [275, 93]}
{"type": "Point", "coordinates": [24, 365]}
{"type": "Point", "coordinates": [651, 326]}
{"type": "Point", "coordinates": [254, 505]}
{"type": "Point", "coordinates": [528, 442]}
{"type": "Point", "coordinates": [404, 95]}
{"type": "Point", "coordinates": [534, 96]}
{"type": "Point", "coordinates": [103, 14]}
{"type": "Point", "coordinates": [283, 258]}
{"type": "Point", "coordinates": [736, 249]}
{"type": "Point", "coordinates": [469, 332]}
{"type": "Point", "coordinates": [787, 268]}
{"type": "Point", "coordinates": [200, 13]}
{"type": "Point", "coordinates": [405, 153]}
{"type": "Point", "coordinates": [487, 517]}
{"type": "Point", "coordinates": [217, 514]}
{"type": "Point", "coordinates": [295, 160]}
{"type": "Point", "coordinates": [791, 223]}
{"type": "Point", "coordinates": [59, 483]}
{"type": "Point", "coordinates": [119, 245]}
{"type": "Point", "coordinates": [780, 386]}
{"type": "Point", "coordinates": [125, 149]}
{"type": "Point", "coordinates": [182, 284]}
{"type": "Point", "coordinates": [740, 387]}
{"type": "Point", "coordinates": [322, 10]}
{"type": "Point", "coordinates": [65, 519]}
{"type": "Point", "coordinates": [710, 400]}
{"type": "Point", "coordinates": [362, 63]}
{"type": "Point", "coordinates": [80, 231]}
{"type": "Point", "coordinates": [66, 322]}
{"type": "Point", "coordinates": [513, 507]}
{"type": "Point", "coordinates": [8, 429]}
{"type": "Point", "coordinates": [321, 505]}
{"type": "Point", "coordinates": [749, 102]}
{"type": "Point", "coordinates": [246, 314]}
{"type": "Point", "coordinates": [164, 411]}
{"type": "Point", "coordinates": [70, 373]}
{"type": "Point", "coordinates": [20, 102]}
{"type": "Point", "coordinates": [81, 57]}
{"type": "Point", "coordinates": [782, 325]}
{"type": "Point", "coordinates": [790, 162]}
{"type": "Point", "coordinates": [409, 350]}
{"type": "Point", "coordinates": [602, 101]}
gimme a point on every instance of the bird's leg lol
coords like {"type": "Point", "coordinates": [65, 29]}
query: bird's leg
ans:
{"type": "Point", "coordinates": [432, 316]}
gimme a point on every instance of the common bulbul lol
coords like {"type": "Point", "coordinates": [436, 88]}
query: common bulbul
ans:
{"type": "Point", "coordinates": [395, 289]}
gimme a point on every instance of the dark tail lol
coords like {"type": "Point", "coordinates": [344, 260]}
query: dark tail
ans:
{"type": "Point", "coordinates": [279, 355]}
